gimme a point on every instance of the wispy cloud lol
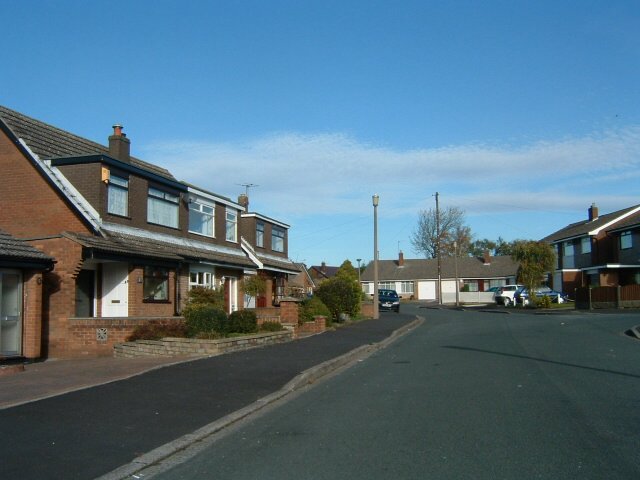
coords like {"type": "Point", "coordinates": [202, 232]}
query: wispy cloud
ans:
{"type": "Point", "coordinates": [305, 174]}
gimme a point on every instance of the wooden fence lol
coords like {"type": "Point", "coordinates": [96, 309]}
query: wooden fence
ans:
{"type": "Point", "coordinates": [627, 296]}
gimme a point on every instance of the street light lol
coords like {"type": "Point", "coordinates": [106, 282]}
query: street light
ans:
{"type": "Point", "coordinates": [359, 260]}
{"type": "Point", "coordinates": [376, 200]}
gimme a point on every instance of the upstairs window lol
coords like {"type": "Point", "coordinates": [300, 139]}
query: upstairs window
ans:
{"type": "Point", "coordinates": [568, 259]}
{"type": "Point", "coordinates": [626, 240]}
{"type": "Point", "coordinates": [118, 196]}
{"type": "Point", "coordinates": [201, 219]}
{"type": "Point", "coordinates": [277, 239]}
{"type": "Point", "coordinates": [162, 208]}
{"type": "Point", "coordinates": [232, 226]}
{"type": "Point", "coordinates": [260, 234]}
{"type": "Point", "coordinates": [585, 245]}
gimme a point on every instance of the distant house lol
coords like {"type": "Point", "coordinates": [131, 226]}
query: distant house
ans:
{"type": "Point", "coordinates": [301, 285]}
{"type": "Point", "coordinates": [21, 275]}
{"type": "Point", "coordinates": [418, 278]}
{"type": "Point", "coordinates": [601, 250]}
{"type": "Point", "coordinates": [129, 239]}
{"type": "Point", "coordinates": [322, 272]}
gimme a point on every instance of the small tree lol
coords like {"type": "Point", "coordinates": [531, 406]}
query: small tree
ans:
{"type": "Point", "coordinates": [452, 230]}
{"type": "Point", "coordinates": [536, 259]}
{"type": "Point", "coordinates": [348, 271]}
{"type": "Point", "coordinates": [252, 286]}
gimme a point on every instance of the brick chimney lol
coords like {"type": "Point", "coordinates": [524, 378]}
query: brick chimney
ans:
{"type": "Point", "coordinates": [243, 200]}
{"type": "Point", "coordinates": [119, 145]}
{"type": "Point", "coordinates": [487, 257]}
{"type": "Point", "coordinates": [323, 267]}
{"type": "Point", "coordinates": [593, 212]}
{"type": "Point", "coordinates": [401, 259]}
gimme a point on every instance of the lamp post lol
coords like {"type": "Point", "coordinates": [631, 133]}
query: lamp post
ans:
{"type": "Point", "coordinates": [358, 260]}
{"type": "Point", "coordinates": [455, 259]}
{"type": "Point", "coordinates": [376, 200]}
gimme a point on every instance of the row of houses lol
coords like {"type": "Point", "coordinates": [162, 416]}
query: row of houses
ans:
{"type": "Point", "coordinates": [600, 250]}
{"type": "Point", "coordinates": [94, 241]}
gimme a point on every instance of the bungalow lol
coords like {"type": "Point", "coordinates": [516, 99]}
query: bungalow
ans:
{"type": "Point", "coordinates": [417, 279]}
{"type": "Point", "coordinates": [601, 250]}
{"type": "Point", "coordinates": [128, 238]}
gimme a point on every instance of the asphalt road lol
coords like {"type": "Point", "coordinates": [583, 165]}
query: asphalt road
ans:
{"type": "Point", "coordinates": [89, 433]}
{"type": "Point", "coordinates": [468, 395]}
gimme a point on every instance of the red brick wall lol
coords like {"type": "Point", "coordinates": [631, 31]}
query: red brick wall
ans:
{"type": "Point", "coordinates": [30, 206]}
{"type": "Point", "coordinates": [32, 314]}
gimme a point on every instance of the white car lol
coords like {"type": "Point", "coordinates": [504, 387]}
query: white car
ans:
{"type": "Point", "coordinates": [504, 295]}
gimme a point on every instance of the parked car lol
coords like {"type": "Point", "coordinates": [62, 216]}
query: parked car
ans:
{"type": "Point", "coordinates": [388, 300]}
{"type": "Point", "coordinates": [521, 296]}
{"type": "Point", "coordinates": [504, 295]}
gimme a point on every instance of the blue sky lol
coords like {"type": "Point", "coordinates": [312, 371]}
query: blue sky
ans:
{"type": "Point", "coordinates": [522, 113]}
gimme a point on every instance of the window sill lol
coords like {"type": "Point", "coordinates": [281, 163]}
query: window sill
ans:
{"type": "Point", "coordinates": [150, 300]}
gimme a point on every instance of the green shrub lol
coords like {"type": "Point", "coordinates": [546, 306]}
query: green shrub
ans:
{"type": "Point", "coordinates": [206, 296]}
{"type": "Point", "coordinates": [242, 321]}
{"type": "Point", "coordinates": [544, 302]}
{"type": "Point", "coordinates": [201, 318]}
{"type": "Point", "coordinates": [340, 295]}
{"type": "Point", "coordinates": [155, 330]}
{"type": "Point", "coordinates": [271, 327]}
{"type": "Point", "coordinates": [311, 307]}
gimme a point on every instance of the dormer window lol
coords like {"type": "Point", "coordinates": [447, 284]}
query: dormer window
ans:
{"type": "Point", "coordinates": [231, 226]}
{"type": "Point", "coordinates": [162, 208]}
{"type": "Point", "coordinates": [118, 196]}
{"type": "Point", "coordinates": [260, 234]}
{"type": "Point", "coordinates": [277, 239]}
{"type": "Point", "coordinates": [201, 219]}
{"type": "Point", "coordinates": [626, 240]}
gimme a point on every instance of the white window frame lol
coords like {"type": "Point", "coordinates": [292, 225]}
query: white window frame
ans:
{"type": "Point", "coordinates": [277, 241]}
{"type": "Point", "coordinates": [626, 240]}
{"type": "Point", "coordinates": [231, 225]}
{"type": "Point", "coordinates": [201, 278]}
{"type": "Point", "coordinates": [199, 209]}
{"type": "Point", "coordinates": [406, 287]}
{"type": "Point", "coordinates": [163, 208]}
{"type": "Point", "coordinates": [118, 196]}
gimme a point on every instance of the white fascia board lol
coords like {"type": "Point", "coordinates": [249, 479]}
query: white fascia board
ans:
{"type": "Point", "coordinates": [615, 220]}
{"type": "Point", "coordinates": [248, 249]}
{"type": "Point", "coordinates": [67, 189]}
{"type": "Point", "coordinates": [199, 194]}
{"type": "Point", "coordinates": [266, 219]}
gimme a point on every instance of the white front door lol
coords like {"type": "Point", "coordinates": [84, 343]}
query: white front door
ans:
{"type": "Point", "coordinates": [232, 283]}
{"type": "Point", "coordinates": [10, 312]}
{"type": "Point", "coordinates": [115, 290]}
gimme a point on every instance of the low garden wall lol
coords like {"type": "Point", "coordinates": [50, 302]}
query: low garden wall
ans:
{"type": "Point", "coordinates": [199, 347]}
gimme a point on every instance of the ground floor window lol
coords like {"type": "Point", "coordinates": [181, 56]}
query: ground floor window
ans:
{"type": "Point", "coordinates": [406, 287]}
{"type": "Point", "coordinates": [201, 279]}
{"type": "Point", "coordinates": [387, 285]}
{"type": "Point", "coordinates": [470, 286]}
{"type": "Point", "coordinates": [156, 284]}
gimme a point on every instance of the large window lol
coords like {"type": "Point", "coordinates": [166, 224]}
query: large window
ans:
{"type": "Point", "coordinates": [406, 287]}
{"type": "Point", "coordinates": [162, 208]}
{"type": "Point", "coordinates": [156, 284]}
{"type": "Point", "coordinates": [277, 239]}
{"type": "Point", "coordinates": [232, 226]}
{"type": "Point", "coordinates": [626, 240]}
{"type": "Point", "coordinates": [118, 196]}
{"type": "Point", "coordinates": [260, 234]}
{"type": "Point", "coordinates": [568, 258]}
{"type": "Point", "coordinates": [201, 219]}
{"type": "Point", "coordinates": [585, 245]}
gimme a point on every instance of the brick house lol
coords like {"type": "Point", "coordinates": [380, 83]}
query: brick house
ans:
{"type": "Point", "coordinates": [418, 278]}
{"type": "Point", "coordinates": [601, 250]}
{"type": "Point", "coordinates": [128, 239]}
{"type": "Point", "coordinates": [319, 273]}
{"type": "Point", "coordinates": [21, 270]}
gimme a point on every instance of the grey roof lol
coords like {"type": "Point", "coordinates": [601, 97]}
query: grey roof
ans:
{"type": "Point", "coordinates": [130, 245]}
{"type": "Point", "coordinates": [49, 142]}
{"type": "Point", "coordinates": [16, 252]}
{"type": "Point", "coordinates": [583, 227]}
{"type": "Point", "coordinates": [422, 269]}
{"type": "Point", "coordinates": [632, 221]}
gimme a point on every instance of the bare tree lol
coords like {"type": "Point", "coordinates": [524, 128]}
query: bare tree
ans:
{"type": "Point", "coordinates": [452, 229]}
